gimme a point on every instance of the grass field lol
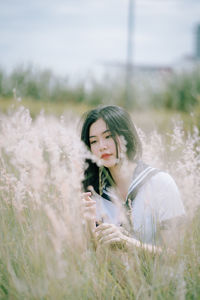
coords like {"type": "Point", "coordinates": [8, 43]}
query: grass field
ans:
{"type": "Point", "coordinates": [148, 119]}
{"type": "Point", "coordinates": [45, 252]}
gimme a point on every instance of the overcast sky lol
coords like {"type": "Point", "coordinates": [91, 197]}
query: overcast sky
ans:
{"type": "Point", "coordinates": [74, 36]}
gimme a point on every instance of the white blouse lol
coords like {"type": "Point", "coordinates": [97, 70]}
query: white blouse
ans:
{"type": "Point", "coordinates": [157, 200]}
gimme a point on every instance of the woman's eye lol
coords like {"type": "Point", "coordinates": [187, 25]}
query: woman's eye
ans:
{"type": "Point", "coordinates": [92, 142]}
{"type": "Point", "coordinates": [108, 136]}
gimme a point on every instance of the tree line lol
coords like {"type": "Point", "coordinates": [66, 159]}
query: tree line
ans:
{"type": "Point", "coordinates": [181, 91]}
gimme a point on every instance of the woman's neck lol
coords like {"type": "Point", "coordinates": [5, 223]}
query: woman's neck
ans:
{"type": "Point", "coordinates": [122, 175]}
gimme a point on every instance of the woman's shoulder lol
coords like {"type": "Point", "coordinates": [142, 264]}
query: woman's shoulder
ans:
{"type": "Point", "coordinates": [147, 177]}
{"type": "Point", "coordinates": [164, 179]}
{"type": "Point", "coordinates": [164, 195]}
{"type": "Point", "coordinates": [162, 186]}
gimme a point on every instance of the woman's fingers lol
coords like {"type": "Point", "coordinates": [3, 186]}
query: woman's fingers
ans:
{"type": "Point", "coordinates": [105, 232]}
{"type": "Point", "coordinates": [107, 237]}
{"type": "Point", "coordinates": [105, 226]}
{"type": "Point", "coordinates": [93, 192]}
{"type": "Point", "coordinates": [88, 203]}
{"type": "Point", "coordinates": [110, 239]}
{"type": "Point", "coordinates": [87, 193]}
{"type": "Point", "coordinates": [91, 209]}
{"type": "Point", "coordinates": [87, 196]}
{"type": "Point", "coordinates": [109, 234]}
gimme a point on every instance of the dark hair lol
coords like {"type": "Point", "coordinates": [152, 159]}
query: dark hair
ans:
{"type": "Point", "coordinates": [119, 123]}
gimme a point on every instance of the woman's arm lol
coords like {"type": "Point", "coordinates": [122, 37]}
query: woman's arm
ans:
{"type": "Point", "coordinates": [170, 233]}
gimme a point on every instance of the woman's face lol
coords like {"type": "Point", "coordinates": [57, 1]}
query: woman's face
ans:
{"type": "Point", "coordinates": [102, 144]}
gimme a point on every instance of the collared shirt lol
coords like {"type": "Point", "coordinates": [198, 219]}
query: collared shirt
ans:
{"type": "Point", "coordinates": [153, 197]}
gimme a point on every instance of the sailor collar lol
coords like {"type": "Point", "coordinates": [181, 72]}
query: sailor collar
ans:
{"type": "Point", "coordinates": [141, 175]}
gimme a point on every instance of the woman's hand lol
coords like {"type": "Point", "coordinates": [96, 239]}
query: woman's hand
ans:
{"type": "Point", "coordinates": [110, 234]}
{"type": "Point", "coordinates": [88, 207]}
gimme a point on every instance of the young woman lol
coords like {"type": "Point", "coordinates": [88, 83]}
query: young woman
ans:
{"type": "Point", "coordinates": [126, 201]}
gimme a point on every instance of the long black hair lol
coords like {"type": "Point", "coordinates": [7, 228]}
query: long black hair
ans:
{"type": "Point", "coordinates": [119, 123]}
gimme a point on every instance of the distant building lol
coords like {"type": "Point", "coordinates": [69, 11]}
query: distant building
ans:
{"type": "Point", "coordinates": [189, 62]}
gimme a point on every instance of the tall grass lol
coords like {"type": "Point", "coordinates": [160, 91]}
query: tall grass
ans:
{"type": "Point", "coordinates": [45, 252]}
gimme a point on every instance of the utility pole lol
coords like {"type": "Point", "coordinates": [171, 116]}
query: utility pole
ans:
{"type": "Point", "coordinates": [129, 58]}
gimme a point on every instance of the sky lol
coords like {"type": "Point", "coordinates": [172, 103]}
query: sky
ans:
{"type": "Point", "coordinates": [76, 37]}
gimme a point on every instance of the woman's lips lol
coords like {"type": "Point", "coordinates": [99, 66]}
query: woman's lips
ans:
{"type": "Point", "coordinates": [105, 156]}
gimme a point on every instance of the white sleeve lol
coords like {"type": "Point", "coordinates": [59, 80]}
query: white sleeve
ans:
{"type": "Point", "coordinates": [165, 197]}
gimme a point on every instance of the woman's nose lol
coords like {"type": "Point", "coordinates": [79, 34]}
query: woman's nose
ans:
{"type": "Point", "coordinates": [102, 145]}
